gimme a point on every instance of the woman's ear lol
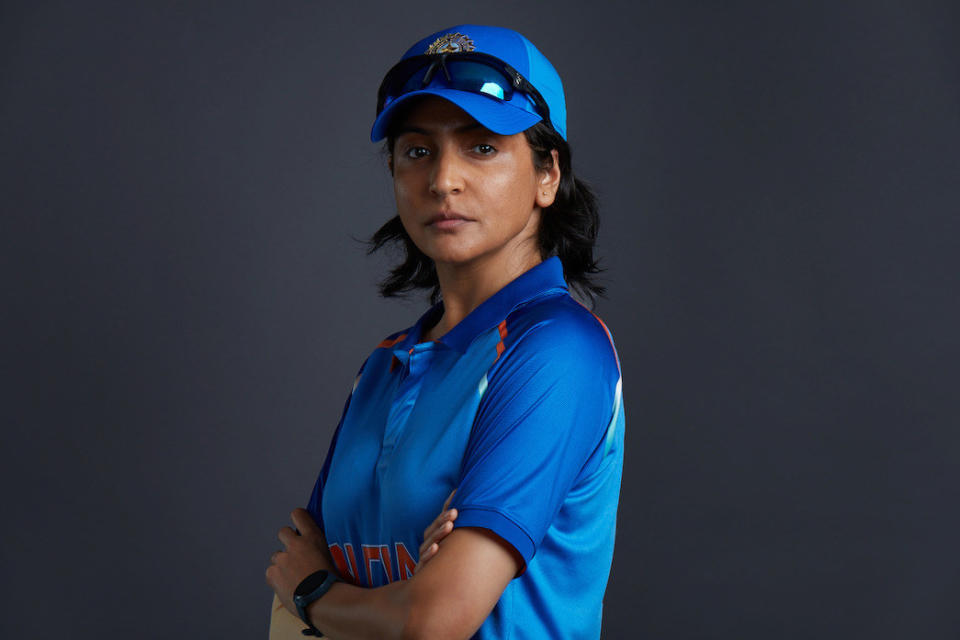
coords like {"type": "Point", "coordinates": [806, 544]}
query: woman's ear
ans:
{"type": "Point", "coordinates": [549, 182]}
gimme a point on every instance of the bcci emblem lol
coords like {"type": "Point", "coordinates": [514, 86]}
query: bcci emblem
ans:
{"type": "Point", "coordinates": [451, 43]}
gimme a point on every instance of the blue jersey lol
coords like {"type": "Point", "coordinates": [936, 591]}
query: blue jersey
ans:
{"type": "Point", "coordinates": [519, 408]}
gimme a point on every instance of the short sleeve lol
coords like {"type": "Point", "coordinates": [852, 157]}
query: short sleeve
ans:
{"type": "Point", "coordinates": [540, 428]}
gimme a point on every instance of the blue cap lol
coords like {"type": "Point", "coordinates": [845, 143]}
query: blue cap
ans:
{"type": "Point", "coordinates": [503, 117]}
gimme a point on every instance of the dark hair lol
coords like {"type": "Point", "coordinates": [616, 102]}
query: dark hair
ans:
{"type": "Point", "coordinates": [568, 228]}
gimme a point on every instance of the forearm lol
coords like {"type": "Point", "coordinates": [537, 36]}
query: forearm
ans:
{"type": "Point", "coordinates": [448, 599]}
{"type": "Point", "coordinates": [449, 595]}
{"type": "Point", "coordinates": [349, 612]}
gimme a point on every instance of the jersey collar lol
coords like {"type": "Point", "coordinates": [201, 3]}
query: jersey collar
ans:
{"type": "Point", "coordinates": [545, 277]}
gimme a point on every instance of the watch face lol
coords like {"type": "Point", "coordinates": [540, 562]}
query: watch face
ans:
{"type": "Point", "coordinates": [311, 582]}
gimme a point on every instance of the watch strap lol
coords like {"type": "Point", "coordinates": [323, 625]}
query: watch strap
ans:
{"type": "Point", "coordinates": [304, 601]}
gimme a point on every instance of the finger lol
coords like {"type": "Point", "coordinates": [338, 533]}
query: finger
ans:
{"type": "Point", "coordinates": [443, 531]}
{"type": "Point", "coordinates": [430, 536]}
{"type": "Point", "coordinates": [439, 520]}
{"type": "Point", "coordinates": [305, 523]}
{"type": "Point", "coordinates": [271, 573]}
{"type": "Point", "coordinates": [425, 556]}
{"type": "Point", "coordinates": [429, 553]}
{"type": "Point", "coordinates": [446, 504]}
{"type": "Point", "coordinates": [444, 516]}
{"type": "Point", "coordinates": [438, 534]}
{"type": "Point", "coordinates": [286, 536]}
{"type": "Point", "coordinates": [275, 556]}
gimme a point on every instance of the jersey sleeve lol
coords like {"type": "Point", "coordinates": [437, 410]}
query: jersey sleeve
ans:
{"type": "Point", "coordinates": [540, 428]}
{"type": "Point", "coordinates": [313, 506]}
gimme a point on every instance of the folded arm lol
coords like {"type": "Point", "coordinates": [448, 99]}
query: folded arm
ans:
{"type": "Point", "coordinates": [448, 597]}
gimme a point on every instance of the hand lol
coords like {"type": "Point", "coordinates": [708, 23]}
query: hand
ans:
{"type": "Point", "coordinates": [437, 531]}
{"type": "Point", "coordinates": [305, 553]}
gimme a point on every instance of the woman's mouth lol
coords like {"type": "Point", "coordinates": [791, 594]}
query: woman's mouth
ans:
{"type": "Point", "coordinates": [446, 221]}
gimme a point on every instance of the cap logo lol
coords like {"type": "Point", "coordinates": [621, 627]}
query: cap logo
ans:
{"type": "Point", "coordinates": [451, 43]}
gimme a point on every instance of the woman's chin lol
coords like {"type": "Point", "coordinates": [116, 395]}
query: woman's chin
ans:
{"type": "Point", "coordinates": [451, 253]}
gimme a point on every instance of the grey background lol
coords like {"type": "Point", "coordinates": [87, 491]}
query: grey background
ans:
{"type": "Point", "coordinates": [185, 306]}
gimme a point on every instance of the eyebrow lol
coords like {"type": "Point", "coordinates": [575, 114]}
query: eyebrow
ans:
{"type": "Point", "coordinates": [408, 128]}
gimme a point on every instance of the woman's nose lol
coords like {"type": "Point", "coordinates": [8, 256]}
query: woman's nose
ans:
{"type": "Point", "coordinates": [447, 176]}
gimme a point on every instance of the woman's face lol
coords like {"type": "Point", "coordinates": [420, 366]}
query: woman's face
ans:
{"type": "Point", "coordinates": [464, 193]}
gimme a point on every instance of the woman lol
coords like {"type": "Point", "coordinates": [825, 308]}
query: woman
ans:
{"type": "Point", "coordinates": [504, 398]}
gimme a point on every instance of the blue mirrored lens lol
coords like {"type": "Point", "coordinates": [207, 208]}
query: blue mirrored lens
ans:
{"type": "Point", "coordinates": [472, 76]}
{"type": "Point", "coordinates": [493, 89]}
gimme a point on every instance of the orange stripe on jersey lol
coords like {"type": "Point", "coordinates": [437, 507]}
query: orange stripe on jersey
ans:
{"type": "Point", "coordinates": [390, 343]}
{"type": "Point", "coordinates": [502, 327]}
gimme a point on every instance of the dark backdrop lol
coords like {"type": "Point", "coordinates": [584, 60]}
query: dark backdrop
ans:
{"type": "Point", "coordinates": [186, 306]}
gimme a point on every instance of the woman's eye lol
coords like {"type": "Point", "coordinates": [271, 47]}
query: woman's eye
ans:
{"type": "Point", "coordinates": [416, 152]}
{"type": "Point", "coordinates": [484, 149]}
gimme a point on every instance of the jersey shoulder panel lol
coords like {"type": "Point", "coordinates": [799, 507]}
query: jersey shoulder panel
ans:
{"type": "Point", "coordinates": [559, 326]}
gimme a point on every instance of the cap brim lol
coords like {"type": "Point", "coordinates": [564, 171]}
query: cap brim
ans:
{"type": "Point", "coordinates": [500, 117]}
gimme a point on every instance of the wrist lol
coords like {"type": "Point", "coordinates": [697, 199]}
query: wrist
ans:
{"type": "Point", "coordinates": [310, 590]}
{"type": "Point", "coordinates": [315, 608]}
{"type": "Point", "coordinates": [375, 613]}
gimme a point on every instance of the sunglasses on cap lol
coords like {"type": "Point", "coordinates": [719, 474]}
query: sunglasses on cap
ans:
{"type": "Point", "coordinates": [464, 71]}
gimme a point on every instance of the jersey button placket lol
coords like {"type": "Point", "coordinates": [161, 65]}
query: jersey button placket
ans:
{"type": "Point", "coordinates": [416, 361]}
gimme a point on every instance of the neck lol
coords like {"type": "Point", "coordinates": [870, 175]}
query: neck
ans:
{"type": "Point", "coordinates": [466, 286]}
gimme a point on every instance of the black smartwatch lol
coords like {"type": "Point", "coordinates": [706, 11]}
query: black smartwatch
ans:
{"type": "Point", "coordinates": [311, 588]}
